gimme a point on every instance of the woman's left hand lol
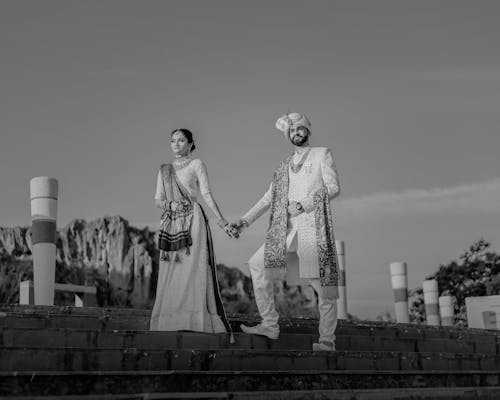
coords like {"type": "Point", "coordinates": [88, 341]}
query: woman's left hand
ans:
{"type": "Point", "coordinates": [176, 206]}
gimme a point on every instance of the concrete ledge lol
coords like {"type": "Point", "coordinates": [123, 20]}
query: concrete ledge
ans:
{"type": "Point", "coordinates": [75, 321]}
{"type": "Point", "coordinates": [78, 359]}
{"type": "Point", "coordinates": [102, 383]}
{"type": "Point", "coordinates": [135, 319]}
{"type": "Point", "coordinates": [437, 393]}
{"type": "Point", "coordinates": [58, 338]}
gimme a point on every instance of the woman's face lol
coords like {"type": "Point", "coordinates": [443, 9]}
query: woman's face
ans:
{"type": "Point", "coordinates": [179, 144]}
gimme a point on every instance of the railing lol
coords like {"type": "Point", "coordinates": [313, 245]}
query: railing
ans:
{"type": "Point", "coordinates": [85, 296]}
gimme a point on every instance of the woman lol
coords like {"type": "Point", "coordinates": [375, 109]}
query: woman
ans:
{"type": "Point", "coordinates": [187, 295]}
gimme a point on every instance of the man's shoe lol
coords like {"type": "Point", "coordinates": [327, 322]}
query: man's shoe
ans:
{"type": "Point", "coordinates": [324, 346]}
{"type": "Point", "coordinates": [261, 330]}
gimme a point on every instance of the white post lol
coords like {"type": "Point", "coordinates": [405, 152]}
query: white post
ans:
{"type": "Point", "coordinates": [447, 309]}
{"type": "Point", "coordinates": [431, 302]}
{"type": "Point", "coordinates": [43, 193]}
{"type": "Point", "coordinates": [78, 301]}
{"type": "Point", "coordinates": [399, 282]}
{"type": "Point", "coordinates": [342, 300]}
{"type": "Point", "coordinates": [26, 295]}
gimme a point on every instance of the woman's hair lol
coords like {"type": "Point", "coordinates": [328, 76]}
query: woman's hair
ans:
{"type": "Point", "coordinates": [188, 135]}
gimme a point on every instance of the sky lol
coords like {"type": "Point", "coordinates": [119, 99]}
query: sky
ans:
{"type": "Point", "coordinates": [406, 94]}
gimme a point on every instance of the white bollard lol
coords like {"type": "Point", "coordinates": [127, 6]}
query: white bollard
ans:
{"type": "Point", "coordinates": [78, 301]}
{"type": "Point", "coordinates": [342, 300]}
{"type": "Point", "coordinates": [431, 302]}
{"type": "Point", "coordinates": [26, 292]}
{"type": "Point", "coordinates": [399, 282]}
{"type": "Point", "coordinates": [447, 310]}
{"type": "Point", "coordinates": [43, 194]}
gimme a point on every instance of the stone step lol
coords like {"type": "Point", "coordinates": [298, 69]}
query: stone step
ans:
{"type": "Point", "coordinates": [75, 321]}
{"type": "Point", "coordinates": [40, 317]}
{"type": "Point", "coordinates": [50, 338]}
{"type": "Point", "coordinates": [96, 311]}
{"type": "Point", "coordinates": [436, 393]}
{"type": "Point", "coordinates": [84, 359]}
{"type": "Point", "coordinates": [55, 383]}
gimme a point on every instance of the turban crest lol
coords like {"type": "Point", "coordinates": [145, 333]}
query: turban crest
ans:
{"type": "Point", "coordinates": [286, 121]}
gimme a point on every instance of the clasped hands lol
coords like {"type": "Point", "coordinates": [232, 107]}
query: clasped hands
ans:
{"type": "Point", "coordinates": [231, 229]}
{"type": "Point", "coordinates": [234, 229]}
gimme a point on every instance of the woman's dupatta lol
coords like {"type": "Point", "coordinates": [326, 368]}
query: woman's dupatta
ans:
{"type": "Point", "coordinates": [175, 226]}
{"type": "Point", "coordinates": [213, 270]}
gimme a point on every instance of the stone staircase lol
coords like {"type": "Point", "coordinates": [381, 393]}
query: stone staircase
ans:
{"type": "Point", "coordinates": [96, 353]}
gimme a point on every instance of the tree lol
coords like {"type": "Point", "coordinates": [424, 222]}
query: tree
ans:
{"type": "Point", "coordinates": [477, 273]}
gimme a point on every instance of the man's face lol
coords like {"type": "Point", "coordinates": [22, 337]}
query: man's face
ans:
{"type": "Point", "coordinates": [298, 135]}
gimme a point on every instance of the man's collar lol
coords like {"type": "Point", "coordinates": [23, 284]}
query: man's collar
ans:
{"type": "Point", "coordinates": [301, 150]}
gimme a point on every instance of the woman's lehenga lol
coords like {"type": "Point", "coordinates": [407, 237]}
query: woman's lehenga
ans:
{"type": "Point", "coordinates": [187, 295]}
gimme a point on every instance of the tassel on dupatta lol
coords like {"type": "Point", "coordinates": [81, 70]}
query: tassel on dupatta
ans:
{"type": "Point", "coordinates": [164, 256]}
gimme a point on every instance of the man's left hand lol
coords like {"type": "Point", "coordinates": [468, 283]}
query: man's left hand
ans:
{"type": "Point", "coordinates": [292, 209]}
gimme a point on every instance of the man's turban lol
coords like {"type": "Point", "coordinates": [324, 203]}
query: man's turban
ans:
{"type": "Point", "coordinates": [286, 121]}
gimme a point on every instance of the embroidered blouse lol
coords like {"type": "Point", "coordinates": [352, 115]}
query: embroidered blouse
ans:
{"type": "Point", "coordinates": [194, 178]}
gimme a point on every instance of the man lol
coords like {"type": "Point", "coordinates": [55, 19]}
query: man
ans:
{"type": "Point", "coordinates": [300, 221]}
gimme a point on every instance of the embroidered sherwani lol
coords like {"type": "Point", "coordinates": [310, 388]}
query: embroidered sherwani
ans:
{"type": "Point", "coordinates": [317, 171]}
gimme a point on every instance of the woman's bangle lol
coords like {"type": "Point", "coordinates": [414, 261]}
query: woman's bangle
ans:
{"type": "Point", "coordinates": [222, 223]}
{"type": "Point", "coordinates": [243, 222]}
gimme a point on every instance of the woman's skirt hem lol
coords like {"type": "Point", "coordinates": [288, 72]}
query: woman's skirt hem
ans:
{"type": "Point", "coordinates": [188, 321]}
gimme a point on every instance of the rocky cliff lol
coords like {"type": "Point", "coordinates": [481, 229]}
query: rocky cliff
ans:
{"type": "Point", "coordinates": [107, 252]}
{"type": "Point", "coordinates": [122, 262]}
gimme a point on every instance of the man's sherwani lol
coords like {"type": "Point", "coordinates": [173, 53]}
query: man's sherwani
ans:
{"type": "Point", "coordinates": [318, 170]}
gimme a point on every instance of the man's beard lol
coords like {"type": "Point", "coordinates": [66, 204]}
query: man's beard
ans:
{"type": "Point", "coordinates": [299, 141]}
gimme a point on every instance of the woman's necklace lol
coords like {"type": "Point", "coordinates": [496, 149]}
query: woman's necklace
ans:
{"type": "Point", "coordinates": [296, 167]}
{"type": "Point", "coordinates": [181, 162]}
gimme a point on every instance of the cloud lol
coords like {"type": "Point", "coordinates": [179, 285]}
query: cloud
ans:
{"type": "Point", "coordinates": [467, 199]}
